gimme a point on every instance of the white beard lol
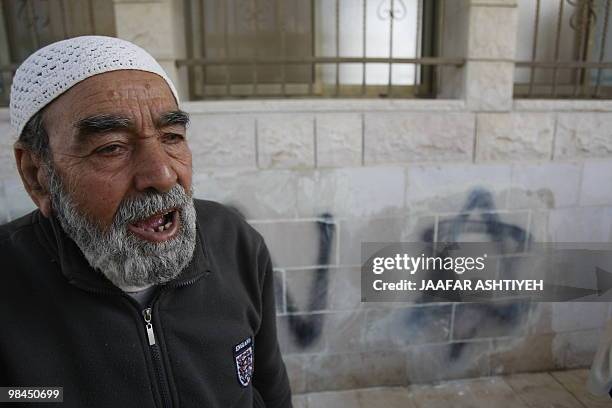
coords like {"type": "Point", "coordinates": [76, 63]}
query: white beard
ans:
{"type": "Point", "coordinates": [124, 259]}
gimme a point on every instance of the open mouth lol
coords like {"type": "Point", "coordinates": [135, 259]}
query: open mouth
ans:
{"type": "Point", "coordinates": [158, 227]}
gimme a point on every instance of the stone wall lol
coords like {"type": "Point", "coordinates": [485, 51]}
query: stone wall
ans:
{"type": "Point", "coordinates": [317, 178]}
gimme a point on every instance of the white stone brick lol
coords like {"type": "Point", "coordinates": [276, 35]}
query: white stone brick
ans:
{"type": "Point", "coordinates": [8, 168]}
{"type": "Point", "coordinates": [571, 316]}
{"type": "Point", "coordinates": [296, 243]}
{"type": "Point", "coordinates": [596, 188]}
{"type": "Point", "coordinates": [4, 213]}
{"type": "Point", "coordinates": [417, 137]}
{"type": "Point", "coordinates": [575, 349]}
{"type": "Point", "coordinates": [582, 224]}
{"type": "Point", "coordinates": [257, 194]}
{"type": "Point", "coordinates": [583, 135]}
{"type": "Point", "coordinates": [17, 199]}
{"type": "Point", "coordinates": [479, 226]}
{"type": "Point", "coordinates": [489, 85]}
{"type": "Point", "coordinates": [492, 32]}
{"type": "Point", "coordinates": [514, 136]}
{"type": "Point", "coordinates": [538, 226]}
{"type": "Point", "coordinates": [339, 139]}
{"type": "Point", "coordinates": [285, 141]}
{"type": "Point", "coordinates": [134, 23]}
{"type": "Point", "coordinates": [446, 187]}
{"type": "Point", "coordinates": [494, 3]}
{"type": "Point", "coordinates": [352, 192]}
{"type": "Point", "coordinates": [353, 232]}
{"type": "Point", "coordinates": [222, 141]}
{"type": "Point", "coordinates": [546, 185]}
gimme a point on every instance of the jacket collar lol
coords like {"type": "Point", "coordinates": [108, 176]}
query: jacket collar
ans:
{"type": "Point", "coordinates": [78, 272]}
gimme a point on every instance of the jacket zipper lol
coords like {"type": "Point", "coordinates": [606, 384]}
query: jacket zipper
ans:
{"type": "Point", "coordinates": [162, 381]}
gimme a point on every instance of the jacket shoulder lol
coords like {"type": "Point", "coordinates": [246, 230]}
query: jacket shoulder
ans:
{"type": "Point", "coordinates": [9, 231]}
{"type": "Point", "coordinates": [217, 219]}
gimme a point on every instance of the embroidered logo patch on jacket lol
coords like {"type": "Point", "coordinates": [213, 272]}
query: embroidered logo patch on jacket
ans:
{"type": "Point", "coordinates": [243, 356]}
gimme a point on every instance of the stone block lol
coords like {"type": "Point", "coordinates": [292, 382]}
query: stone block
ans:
{"type": "Point", "coordinates": [134, 21]}
{"type": "Point", "coordinates": [295, 371]}
{"type": "Point", "coordinates": [492, 33]}
{"type": "Point", "coordinates": [355, 370]}
{"type": "Point", "coordinates": [342, 286]}
{"type": "Point", "coordinates": [544, 185]}
{"type": "Point", "coordinates": [299, 401]}
{"type": "Point", "coordinates": [222, 141]}
{"type": "Point", "coordinates": [580, 224]}
{"type": "Point", "coordinates": [572, 316]}
{"type": "Point", "coordinates": [352, 191]}
{"type": "Point", "coordinates": [523, 354]}
{"type": "Point", "coordinates": [489, 85]}
{"type": "Point", "coordinates": [17, 200]}
{"type": "Point", "coordinates": [309, 290]}
{"type": "Point", "coordinates": [285, 141]}
{"type": "Point", "coordinates": [279, 291]}
{"type": "Point", "coordinates": [355, 231]}
{"type": "Point", "coordinates": [343, 331]}
{"type": "Point", "coordinates": [584, 134]}
{"type": "Point", "coordinates": [480, 392]}
{"type": "Point", "coordinates": [339, 139]}
{"type": "Point", "coordinates": [576, 349]}
{"type": "Point", "coordinates": [507, 228]}
{"type": "Point", "coordinates": [345, 288]}
{"type": "Point", "coordinates": [397, 328]}
{"type": "Point", "coordinates": [8, 169]}
{"type": "Point", "coordinates": [437, 362]}
{"type": "Point", "coordinates": [538, 226]}
{"type": "Point", "coordinates": [499, 319]}
{"type": "Point", "coordinates": [514, 136]}
{"type": "Point", "coordinates": [389, 397]}
{"type": "Point", "coordinates": [541, 390]}
{"type": "Point", "coordinates": [301, 333]}
{"type": "Point", "coordinates": [259, 194]}
{"type": "Point", "coordinates": [453, 187]}
{"type": "Point", "coordinates": [298, 243]}
{"type": "Point", "coordinates": [4, 213]}
{"type": "Point", "coordinates": [596, 188]}
{"type": "Point", "coordinates": [408, 137]}
{"type": "Point", "coordinates": [494, 3]}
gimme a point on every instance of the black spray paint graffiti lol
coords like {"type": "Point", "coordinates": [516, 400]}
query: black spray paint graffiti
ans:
{"type": "Point", "coordinates": [306, 328]}
{"type": "Point", "coordinates": [510, 238]}
{"type": "Point", "coordinates": [478, 216]}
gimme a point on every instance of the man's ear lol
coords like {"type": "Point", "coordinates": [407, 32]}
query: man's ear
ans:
{"type": "Point", "coordinates": [33, 175]}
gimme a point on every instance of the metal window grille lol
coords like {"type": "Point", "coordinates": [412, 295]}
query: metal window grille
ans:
{"type": "Point", "coordinates": [26, 25]}
{"type": "Point", "coordinates": [310, 48]}
{"type": "Point", "coordinates": [564, 49]}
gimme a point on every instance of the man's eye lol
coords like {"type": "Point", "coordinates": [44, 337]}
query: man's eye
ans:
{"type": "Point", "coordinates": [173, 138]}
{"type": "Point", "coordinates": [110, 149]}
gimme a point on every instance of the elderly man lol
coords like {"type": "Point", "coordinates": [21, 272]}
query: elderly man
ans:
{"type": "Point", "coordinates": [120, 287]}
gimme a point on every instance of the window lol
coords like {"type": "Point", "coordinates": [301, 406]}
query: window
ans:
{"type": "Point", "coordinates": [564, 49]}
{"type": "Point", "coordinates": [348, 48]}
{"type": "Point", "coordinates": [26, 25]}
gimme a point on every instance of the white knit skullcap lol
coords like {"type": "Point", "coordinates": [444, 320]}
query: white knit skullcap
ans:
{"type": "Point", "coordinates": [54, 69]}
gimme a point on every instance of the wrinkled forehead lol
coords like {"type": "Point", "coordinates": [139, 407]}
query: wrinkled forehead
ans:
{"type": "Point", "coordinates": [138, 95]}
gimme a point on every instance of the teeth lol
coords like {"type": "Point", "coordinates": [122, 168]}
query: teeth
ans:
{"type": "Point", "coordinates": [167, 226]}
{"type": "Point", "coordinates": [160, 228]}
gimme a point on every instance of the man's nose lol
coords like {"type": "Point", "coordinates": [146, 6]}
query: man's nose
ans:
{"type": "Point", "coordinates": [154, 168]}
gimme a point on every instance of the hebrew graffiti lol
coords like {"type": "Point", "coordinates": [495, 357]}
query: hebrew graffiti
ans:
{"type": "Point", "coordinates": [307, 328]}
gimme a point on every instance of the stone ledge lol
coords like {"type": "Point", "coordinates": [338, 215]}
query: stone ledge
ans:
{"type": "Point", "coordinates": [323, 105]}
{"type": "Point", "coordinates": [571, 105]}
